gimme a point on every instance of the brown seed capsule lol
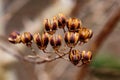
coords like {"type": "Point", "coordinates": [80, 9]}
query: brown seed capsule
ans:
{"type": "Point", "coordinates": [85, 34]}
{"type": "Point", "coordinates": [41, 41]}
{"type": "Point", "coordinates": [75, 56]}
{"type": "Point", "coordinates": [86, 57]}
{"type": "Point", "coordinates": [26, 38]}
{"type": "Point", "coordinates": [71, 39]}
{"type": "Point", "coordinates": [14, 37]}
{"type": "Point", "coordinates": [51, 28]}
{"type": "Point", "coordinates": [61, 20]}
{"type": "Point", "coordinates": [73, 24]}
{"type": "Point", "coordinates": [56, 41]}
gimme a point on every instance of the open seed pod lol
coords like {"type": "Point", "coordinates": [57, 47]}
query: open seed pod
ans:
{"type": "Point", "coordinates": [85, 34]}
{"type": "Point", "coordinates": [14, 37]}
{"type": "Point", "coordinates": [73, 24]}
{"type": "Point", "coordinates": [56, 41]}
{"type": "Point", "coordinates": [41, 41]}
{"type": "Point", "coordinates": [75, 56]}
{"type": "Point", "coordinates": [71, 39]}
{"type": "Point", "coordinates": [86, 57]}
{"type": "Point", "coordinates": [51, 28]}
{"type": "Point", "coordinates": [61, 20]}
{"type": "Point", "coordinates": [26, 38]}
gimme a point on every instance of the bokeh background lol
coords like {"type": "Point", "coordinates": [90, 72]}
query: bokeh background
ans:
{"type": "Point", "coordinates": [102, 16]}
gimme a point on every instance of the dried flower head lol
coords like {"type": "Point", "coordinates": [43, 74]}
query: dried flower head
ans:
{"type": "Point", "coordinates": [73, 33]}
{"type": "Point", "coordinates": [71, 39]}
{"type": "Point", "coordinates": [14, 37]}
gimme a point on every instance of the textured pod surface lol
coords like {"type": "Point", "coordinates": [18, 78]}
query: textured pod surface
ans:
{"type": "Point", "coordinates": [73, 24]}
{"type": "Point", "coordinates": [71, 38]}
{"type": "Point", "coordinates": [86, 57]}
{"type": "Point", "coordinates": [61, 20]}
{"type": "Point", "coordinates": [41, 41]}
{"type": "Point", "coordinates": [56, 41]}
{"type": "Point", "coordinates": [75, 56]}
{"type": "Point", "coordinates": [26, 38]}
{"type": "Point", "coordinates": [85, 34]}
{"type": "Point", "coordinates": [14, 37]}
{"type": "Point", "coordinates": [51, 27]}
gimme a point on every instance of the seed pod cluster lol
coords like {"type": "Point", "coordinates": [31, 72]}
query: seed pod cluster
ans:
{"type": "Point", "coordinates": [76, 56]}
{"type": "Point", "coordinates": [74, 32]}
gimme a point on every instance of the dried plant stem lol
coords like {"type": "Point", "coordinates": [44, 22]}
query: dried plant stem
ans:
{"type": "Point", "coordinates": [107, 29]}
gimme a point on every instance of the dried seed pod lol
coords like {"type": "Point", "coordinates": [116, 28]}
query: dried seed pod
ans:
{"type": "Point", "coordinates": [75, 56]}
{"type": "Point", "coordinates": [85, 34]}
{"type": "Point", "coordinates": [73, 24]}
{"type": "Point", "coordinates": [26, 38]}
{"type": "Point", "coordinates": [41, 41]}
{"type": "Point", "coordinates": [61, 20]}
{"type": "Point", "coordinates": [51, 28]}
{"type": "Point", "coordinates": [71, 39]}
{"type": "Point", "coordinates": [86, 57]}
{"type": "Point", "coordinates": [56, 41]}
{"type": "Point", "coordinates": [14, 37]}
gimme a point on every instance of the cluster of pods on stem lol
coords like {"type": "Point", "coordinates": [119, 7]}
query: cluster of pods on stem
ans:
{"type": "Point", "coordinates": [74, 32]}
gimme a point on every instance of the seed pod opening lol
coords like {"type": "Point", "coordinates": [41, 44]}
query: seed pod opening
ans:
{"type": "Point", "coordinates": [26, 38]}
{"type": "Point", "coordinates": [85, 34]}
{"type": "Point", "coordinates": [41, 41]}
{"type": "Point", "coordinates": [75, 56]}
{"type": "Point", "coordinates": [86, 57]}
{"type": "Point", "coordinates": [51, 27]}
{"type": "Point", "coordinates": [14, 37]}
{"type": "Point", "coordinates": [56, 41]}
{"type": "Point", "coordinates": [71, 38]}
{"type": "Point", "coordinates": [73, 24]}
{"type": "Point", "coordinates": [61, 20]}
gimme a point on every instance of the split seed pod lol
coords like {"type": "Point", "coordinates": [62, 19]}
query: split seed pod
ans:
{"type": "Point", "coordinates": [73, 24]}
{"type": "Point", "coordinates": [26, 38]}
{"type": "Point", "coordinates": [41, 41]}
{"type": "Point", "coordinates": [86, 57]}
{"type": "Point", "coordinates": [61, 20]}
{"type": "Point", "coordinates": [71, 39]}
{"type": "Point", "coordinates": [14, 37]}
{"type": "Point", "coordinates": [85, 34]}
{"type": "Point", "coordinates": [51, 28]}
{"type": "Point", "coordinates": [75, 56]}
{"type": "Point", "coordinates": [56, 41]}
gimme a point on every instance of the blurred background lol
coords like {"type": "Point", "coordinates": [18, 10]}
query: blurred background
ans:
{"type": "Point", "coordinates": [102, 16]}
